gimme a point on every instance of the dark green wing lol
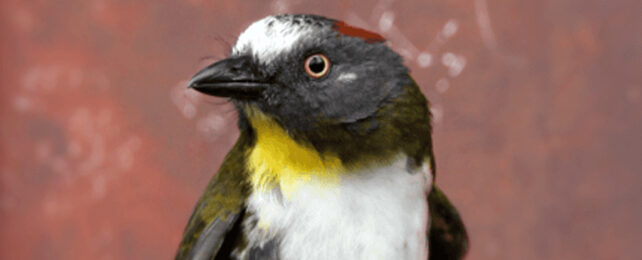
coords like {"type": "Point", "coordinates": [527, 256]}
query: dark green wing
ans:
{"type": "Point", "coordinates": [448, 238]}
{"type": "Point", "coordinates": [218, 208]}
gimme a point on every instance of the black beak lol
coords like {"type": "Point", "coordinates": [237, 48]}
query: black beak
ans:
{"type": "Point", "coordinates": [234, 77]}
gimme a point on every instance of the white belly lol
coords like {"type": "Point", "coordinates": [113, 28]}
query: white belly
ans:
{"type": "Point", "coordinates": [379, 213]}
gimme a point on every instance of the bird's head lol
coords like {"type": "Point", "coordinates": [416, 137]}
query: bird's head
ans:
{"type": "Point", "coordinates": [329, 85]}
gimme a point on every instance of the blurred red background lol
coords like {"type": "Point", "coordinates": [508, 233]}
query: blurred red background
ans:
{"type": "Point", "coordinates": [537, 113]}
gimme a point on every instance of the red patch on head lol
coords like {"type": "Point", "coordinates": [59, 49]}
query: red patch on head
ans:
{"type": "Point", "coordinates": [349, 30]}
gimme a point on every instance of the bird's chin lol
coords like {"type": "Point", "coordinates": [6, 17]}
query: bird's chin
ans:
{"type": "Point", "coordinates": [251, 108]}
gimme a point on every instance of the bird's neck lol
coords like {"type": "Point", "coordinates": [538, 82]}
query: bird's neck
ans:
{"type": "Point", "coordinates": [277, 159]}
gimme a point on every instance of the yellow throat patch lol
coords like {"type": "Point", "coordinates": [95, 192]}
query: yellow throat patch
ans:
{"type": "Point", "coordinates": [277, 159]}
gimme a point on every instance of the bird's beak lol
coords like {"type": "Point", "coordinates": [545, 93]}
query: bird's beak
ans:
{"type": "Point", "coordinates": [234, 77]}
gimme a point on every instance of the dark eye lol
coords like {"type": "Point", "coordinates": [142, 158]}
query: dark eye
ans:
{"type": "Point", "coordinates": [317, 65]}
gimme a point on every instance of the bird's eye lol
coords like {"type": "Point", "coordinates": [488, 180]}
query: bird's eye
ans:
{"type": "Point", "coordinates": [317, 65]}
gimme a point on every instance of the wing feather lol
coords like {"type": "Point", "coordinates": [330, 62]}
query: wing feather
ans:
{"type": "Point", "coordinates": [219, 208]}
{"type": "Point", "coordinates": [448, 238]}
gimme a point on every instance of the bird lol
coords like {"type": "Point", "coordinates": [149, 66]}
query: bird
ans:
{"type": "Point", "coordinates": [334, 159]}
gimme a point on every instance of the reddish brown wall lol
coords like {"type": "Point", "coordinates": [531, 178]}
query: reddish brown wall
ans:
{"type": "Point", "coordinates": [537, 119]}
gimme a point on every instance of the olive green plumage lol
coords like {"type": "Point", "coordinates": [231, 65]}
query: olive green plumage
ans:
{"type": "Point", "coordinates": [400, 125]}
{"type": "Point", "coordinates": [223, 200]}
{"type": "Point", "coordinates": [448, 238]}
{"type": "Point", "coordinates": [362, 110]}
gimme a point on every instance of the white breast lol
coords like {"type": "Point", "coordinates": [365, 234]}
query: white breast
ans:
{"type": "Point", "coordinates": [378, 213]}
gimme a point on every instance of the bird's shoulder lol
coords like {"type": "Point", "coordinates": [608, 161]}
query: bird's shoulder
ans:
{"type": "Point", "coordinates": [447, 236]}
{"type": "Point", "coordinates": [219, 208]}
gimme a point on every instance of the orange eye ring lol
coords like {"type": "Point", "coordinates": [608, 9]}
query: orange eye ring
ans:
{"type": "Point", "coordinates": [317, 65]}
